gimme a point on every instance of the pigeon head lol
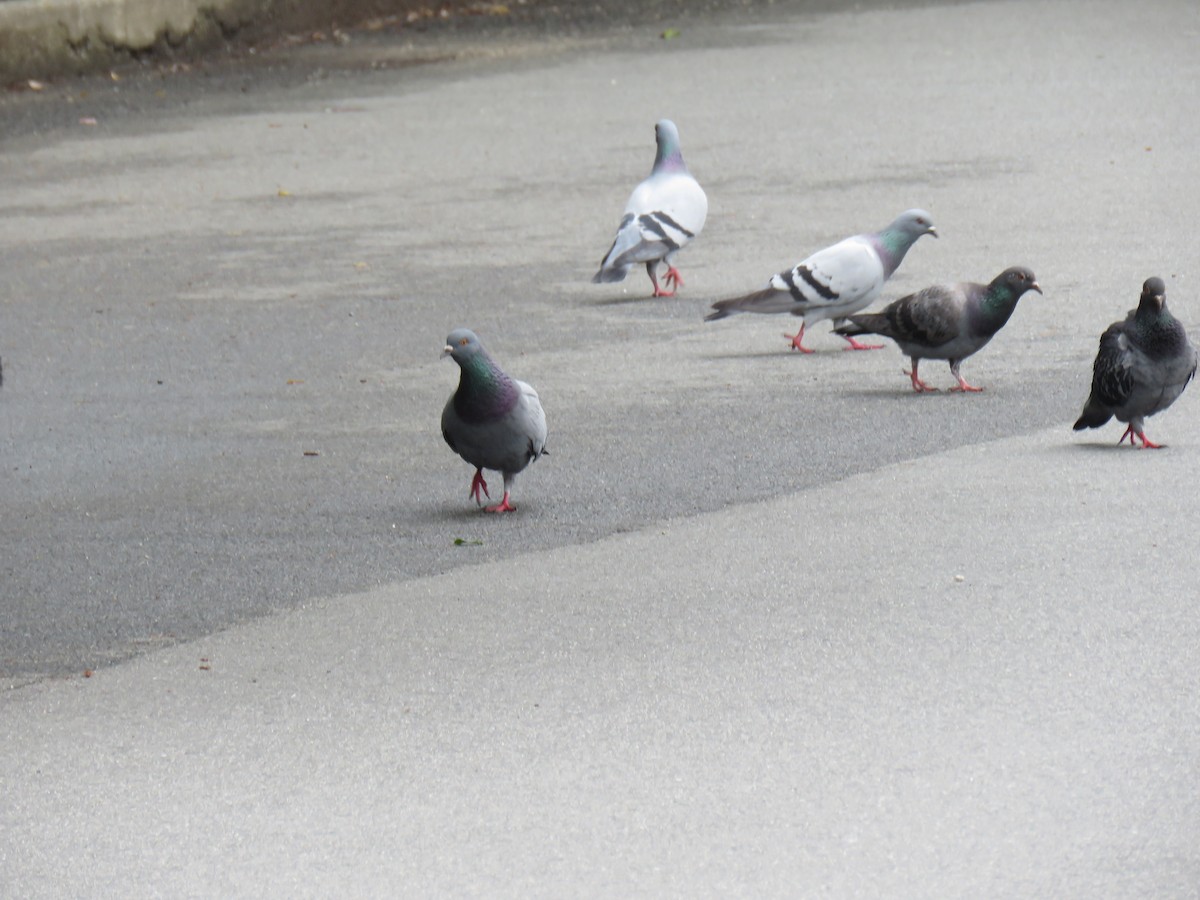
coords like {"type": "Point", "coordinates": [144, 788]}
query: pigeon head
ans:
{"type": "Point", "coordinates": [669, 157]}
{"type": "Point", "coordinates": [484, 390]}
{"type": "Point", "coordinates": [1019, 279]}
{"type": "Point", "coordinates": [893, 242]}
{"type": "Point", "coordinates": [462, 345]}
{"type": "Point", "coordinates": [913, 223]}
{"type": "Point", "coordinates": [1154, 295]}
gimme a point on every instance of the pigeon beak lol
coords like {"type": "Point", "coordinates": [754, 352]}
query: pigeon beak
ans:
{"type": "Point", "coordinates": [932, 230]}
{"type": "Point", "coordinates": [447, 350]}
{"type": "Point", "coordinates": [1036, 287]}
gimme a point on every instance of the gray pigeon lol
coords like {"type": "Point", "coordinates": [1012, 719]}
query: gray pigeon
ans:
{"type": "Point", "coordinates": [835, 282]}
{"type": "Point", "coordinates": [663, 214]}
{"type": "Point", "coordinates": [492, 421]}
{"type": "Point", "coordinates": [1143, 365]}
{"type": "Point", "coordinates": [946, 321]}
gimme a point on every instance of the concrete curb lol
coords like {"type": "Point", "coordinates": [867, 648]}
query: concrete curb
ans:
{"type": "Point", "coordinates": [41, 38]}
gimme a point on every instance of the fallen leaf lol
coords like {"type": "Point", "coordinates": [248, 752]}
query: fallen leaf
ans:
{"type": "Point", "coordinates": [312, 453]}
{"type": "Point", "coordinates": [87, 673]}
{"type": "Point", "coordinates": [463, 542]}
{"type": "Point", "coordinates": [670, 33]}
{"type": "Point", "coordinates": [282, 193]}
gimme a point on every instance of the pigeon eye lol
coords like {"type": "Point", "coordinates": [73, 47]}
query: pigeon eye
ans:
{"type": "Point", "coordinates": [462, 342]}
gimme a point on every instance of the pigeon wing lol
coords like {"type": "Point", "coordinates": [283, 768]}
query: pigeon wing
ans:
{"type": "Point", "coordinates": [1113, 371]}
{"type": "Point", "coordinates": [847, 276]}
{"type": "Point", "coordinates": [930, 317]}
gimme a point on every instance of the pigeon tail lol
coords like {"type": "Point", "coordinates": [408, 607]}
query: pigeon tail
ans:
{"type": "Point", "coordinates": [865, 323]}
{"type": "Point", "coordinates": [608, 276]}
{"type": "Point", "coordinates": [768, 300]}
{"type": "Point", "coordinates": [1093, 416]}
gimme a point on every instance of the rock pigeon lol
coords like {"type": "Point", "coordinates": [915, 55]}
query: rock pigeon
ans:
{"type": "Point", "coordinates": [663, 214]}
{"type": "Point", "coordinates": [946, 321]}
{"type": "Point", "coordinates": [492, 421]}
{"type": "Point", "coordinates": [835, 282]}
{"type": "Point", "coordinates": [1143, 365]}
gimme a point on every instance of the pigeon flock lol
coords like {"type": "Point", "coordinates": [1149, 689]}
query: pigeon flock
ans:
{"type": "Point", "coordinates": [1145, 361]}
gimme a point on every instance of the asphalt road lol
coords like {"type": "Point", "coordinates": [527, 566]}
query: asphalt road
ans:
{"type": "Point", "coordinates": [763, 623]}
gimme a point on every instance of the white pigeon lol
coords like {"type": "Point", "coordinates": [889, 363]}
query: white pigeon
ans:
{"type": "Point", "coordinates": [835, 282]}
{"type": "Point", "coordinates": [663, 214]}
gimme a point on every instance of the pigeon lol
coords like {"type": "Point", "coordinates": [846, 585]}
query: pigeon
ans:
{"type": "Point", "coordinates": [492, 421]}
{"type": "Point", "coordinates": [946, 321]}
{"type": "Point", "coordinates": [835, 282]}
{"type": "Point", "coordinates": [663, 214]}
{"type": "Point", "coordinates": [1142, 367]}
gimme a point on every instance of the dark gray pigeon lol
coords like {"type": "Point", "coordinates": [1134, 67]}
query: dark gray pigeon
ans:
{"type": "Point", "coordinates": [835, 282]}
{"type": "Point", "coordinates": [492, 421]}
{"type": "Point", "coordinates": [947, 321]}
{"type": "Point", "coordinates": [1143, 365]}
{"type": "Point", "coordinates": [664, 212]}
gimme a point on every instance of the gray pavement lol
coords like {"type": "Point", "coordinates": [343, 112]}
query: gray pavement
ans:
{"type": "Point", "coordinates": [763, 624]}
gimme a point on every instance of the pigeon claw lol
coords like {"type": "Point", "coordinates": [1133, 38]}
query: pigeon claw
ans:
{"type": "Point", "coordinates": [502, 506]}
{"type": "Point", "coordinates": [918, 385]}
{"type": "Point", "coordinates": [1147, 444]}
{"type": "Point", "coordinates": [797, 340]}
{"type": "Point", "coordinates": [477, 485]}
{"type": "Point", "coordinates": [856, 345]}
{"type": "Point", "coordinates": [671, 278]}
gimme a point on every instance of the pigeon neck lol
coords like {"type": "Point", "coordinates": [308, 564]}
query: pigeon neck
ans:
{"type": "Point", "coordinates": [891, 245]}
{"type": "Point", "coordinates": [484, 390]}
{"type": "Point", "coordinates": [668, 159]}
{"type": "Point", "coordinates": [996, 308]}
{"type": "Point", "coordinates": [1158, 332]}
